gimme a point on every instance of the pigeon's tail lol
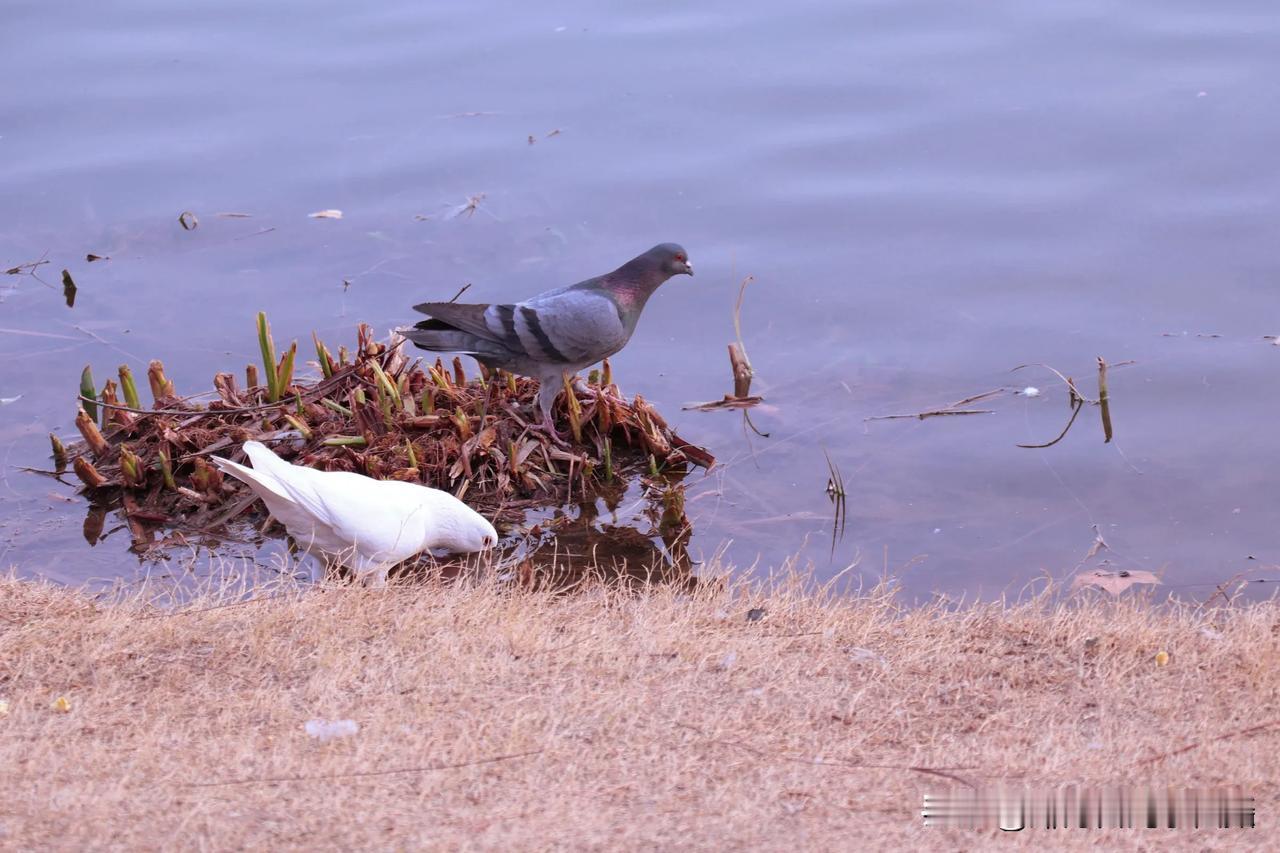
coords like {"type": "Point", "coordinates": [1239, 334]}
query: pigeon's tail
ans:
{"type": "Point", "coordinates": [263, 483]}
{"type": "Point", "coordinates": [266, 484]}
{"type": "Point", "coordinates": [438, 336]}
{"type": "Point", "coordinates": [265, 460]}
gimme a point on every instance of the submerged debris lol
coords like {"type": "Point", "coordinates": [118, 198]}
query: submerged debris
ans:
{"type": "Point", "coordinates": [375, 411]}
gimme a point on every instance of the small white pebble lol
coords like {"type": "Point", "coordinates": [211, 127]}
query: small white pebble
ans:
{"type": "Point", "coordinates": [861, 654]}
{"type": "Point", "coordinates": [327, 730]}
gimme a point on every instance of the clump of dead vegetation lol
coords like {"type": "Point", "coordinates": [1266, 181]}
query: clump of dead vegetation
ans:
{"type": "Point", "coordinates": [481, 714]}
{"type": "Point", "coordinates": [374, 410]}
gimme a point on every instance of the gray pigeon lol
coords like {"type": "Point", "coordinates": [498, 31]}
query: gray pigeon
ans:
{"type": "Point", "coordinates": [557, 333]}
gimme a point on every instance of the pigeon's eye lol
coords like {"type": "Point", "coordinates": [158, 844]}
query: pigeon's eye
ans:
{"type": "Point", "coordinates": [680, 258]}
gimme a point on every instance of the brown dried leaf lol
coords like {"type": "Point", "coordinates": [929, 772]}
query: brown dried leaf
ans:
{"type": "Point", "coordinates": [1113, 582]}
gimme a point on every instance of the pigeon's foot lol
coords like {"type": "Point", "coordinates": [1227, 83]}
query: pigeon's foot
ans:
{"type": "Point", "coordinates": [375, 579]}
{"type": "Point", "coordinates": [538, 421]}
{"type": "Point", "coordinates": [548, 428]}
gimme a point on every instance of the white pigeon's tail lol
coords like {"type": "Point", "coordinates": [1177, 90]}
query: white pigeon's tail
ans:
{"type": "Point", "coordinates": [263, 480]}
{"type": "Point", "coordinates": [264, 459]}
{"type": "Point", "coordinates": [262, 485]}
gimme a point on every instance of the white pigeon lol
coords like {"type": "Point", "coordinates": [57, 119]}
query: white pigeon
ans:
{"type": "Point", "coordinates": [366, 524]}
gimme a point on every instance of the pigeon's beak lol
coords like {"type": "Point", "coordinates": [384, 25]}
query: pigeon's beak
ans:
{"type": "Point", "coordinates": [688, 268]}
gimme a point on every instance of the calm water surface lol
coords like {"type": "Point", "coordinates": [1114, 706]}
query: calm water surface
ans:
{"type": "Point", "coordinates": [927, 194]}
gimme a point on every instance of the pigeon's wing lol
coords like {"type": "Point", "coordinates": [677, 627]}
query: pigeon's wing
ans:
{"type": "Point", "coordinates": [377, 517]}
{"type": "Point", "coordinates": [572, 326]}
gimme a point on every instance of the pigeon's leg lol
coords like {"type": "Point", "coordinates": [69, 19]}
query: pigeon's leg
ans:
{"type": "Point", "coordinates": [373, 576]}
{"type": "Point", "coordinates": [546, 398]}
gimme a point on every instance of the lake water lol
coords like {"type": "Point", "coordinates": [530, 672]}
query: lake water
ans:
{"type": "Point", "coordinates": [927, 194]}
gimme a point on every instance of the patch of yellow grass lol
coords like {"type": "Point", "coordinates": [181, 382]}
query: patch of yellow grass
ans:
{"type": "Point", "coordinates": [525, 720]}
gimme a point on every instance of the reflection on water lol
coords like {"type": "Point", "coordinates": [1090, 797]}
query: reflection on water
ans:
{"type": "Point", "coordinates": [927, 196]}
{"type": "Point", "coordinates": [632, 530]}
{"type": "Point", "coordinates": [617, 534]}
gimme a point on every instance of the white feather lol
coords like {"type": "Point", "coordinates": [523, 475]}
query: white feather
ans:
{"type": "Point", "coordinates": [370, 525]}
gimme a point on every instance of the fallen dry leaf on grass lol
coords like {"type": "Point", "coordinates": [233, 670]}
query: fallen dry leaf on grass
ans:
{"type": "Point", "coordinates": [1113, 582]}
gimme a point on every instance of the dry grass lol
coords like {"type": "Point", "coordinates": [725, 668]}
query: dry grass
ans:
{"type": "Point", "coordinates": [493, 718]}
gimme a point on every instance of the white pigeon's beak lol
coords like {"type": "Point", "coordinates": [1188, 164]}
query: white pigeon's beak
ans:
{"type": "Point", "coordinates": [688, 268]}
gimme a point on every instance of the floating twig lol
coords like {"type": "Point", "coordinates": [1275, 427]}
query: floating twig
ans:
{"type": "Point", "coordinates": [1104, 400]}
{"type": "Point", "coordinates": [1077, 401]}
{"type": "Point", "coordinates": [933, 413]}
{"type": "Point", "coordinates": [1075, 410]}
{"type": "Point", "coordinates": [943, 411]}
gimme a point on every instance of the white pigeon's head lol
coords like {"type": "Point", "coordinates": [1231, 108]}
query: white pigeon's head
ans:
{"type": "Point", "coordinates": [465, 531]}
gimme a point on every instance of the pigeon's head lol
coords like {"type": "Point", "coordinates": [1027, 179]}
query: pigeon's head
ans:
{"type": "Point", "coordinates": [479, 536]}
{"type": "Point", "coordinates": [482, 536]}
{"type": "Point", "coordinates": [466, 532]}
{"type": "Point", "coordinates": [670, 258]}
